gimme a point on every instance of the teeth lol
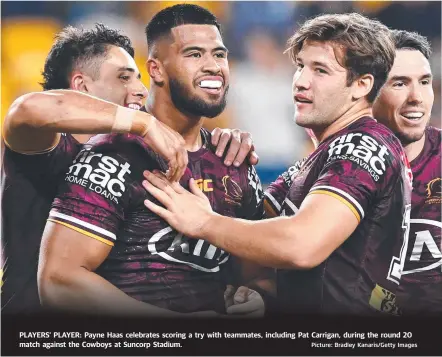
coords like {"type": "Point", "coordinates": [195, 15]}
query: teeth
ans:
{"type": "Point", "coordinates": [210, 84]}
{"type": "Point", "coordinates": [134, 106]}
{"type": "Point", "coordinates": [413, 115]}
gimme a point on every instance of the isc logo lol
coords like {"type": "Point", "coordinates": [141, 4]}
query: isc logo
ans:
{"type": "Point", "coordinates": [204, 185]}
{"type": "Point", "coordinates": [100, 173]}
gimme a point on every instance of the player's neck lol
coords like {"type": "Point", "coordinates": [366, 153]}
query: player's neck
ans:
{"type": "Point", "coordinates": [413, 150]}
{"type": "Point", "coordinates": [188, 126]}
{"type": "Point", "coordinates": [354, 113]}
{"type": "Point", "coordinates": [82, 138]}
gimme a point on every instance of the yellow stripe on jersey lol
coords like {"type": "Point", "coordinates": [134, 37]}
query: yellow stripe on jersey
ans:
{"type": "Point", "coordinates": [342, 199]}
{"type": "Point", "coordinates": [89, 234]}
{"type": "Point", "coordinates": [270, 212]}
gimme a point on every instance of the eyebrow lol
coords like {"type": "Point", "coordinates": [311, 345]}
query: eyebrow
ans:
{"type": "Point", "coordinates": [196, 48]}
{"type": "Point", "coordinates": [315, 63]}
{"type": "Point", "coordinates": [128, 69]}
{"type": "Point", "coordinates": [406, 78]}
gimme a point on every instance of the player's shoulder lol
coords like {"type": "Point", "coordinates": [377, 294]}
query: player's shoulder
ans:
{"type": "Point", "coordinates": [128, 146]}
{"type": "Point", "coordinates": [434, 136]}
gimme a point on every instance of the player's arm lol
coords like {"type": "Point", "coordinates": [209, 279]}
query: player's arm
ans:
{"type": "Point", "coordinates": [67, 281]}
{"type": "Point", "coordinates": [303, 241]}
{"type": "Point", "coordinates": [34, 122]}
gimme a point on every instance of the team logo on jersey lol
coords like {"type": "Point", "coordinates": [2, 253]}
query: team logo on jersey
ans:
{"type": "Point", "coordinates": [232, 191]}
{"type": "Point", "coordinates": [102, 174]}
{"type": "Point", "coordinates": [434, 191]}
{"type": "Point", "coordinates": [361, 149]}
{"type": "Point", "coordinates": [384, 300]}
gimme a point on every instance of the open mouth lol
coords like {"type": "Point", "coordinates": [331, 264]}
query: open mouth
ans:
{"type": "Point", "coordinates": [303, 100]}
{"type": "Point", "coordinates": [412, 116]}
{"type": "Point", "coordinates": [212, 86]}
{"type": "Point", "coordinates": [133, 106]}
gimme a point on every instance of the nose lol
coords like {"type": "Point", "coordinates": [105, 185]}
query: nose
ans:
{"type": "Point", "coordinates": [139, 90]}
{"type": "Point", "coordinates": [415, 94]}
{"type": "Point", "coordinates": [211, 65]}
{"type": "Point", "coordinates": [301, 79]}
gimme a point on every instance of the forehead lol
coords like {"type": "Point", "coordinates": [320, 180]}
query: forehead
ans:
{"type": "Point", "coordinates": [410, 63]}
{"type": "Point", "coordinates": [324, 52]}
{"type": "Point", "coordinates": [189, 35]}
{"type": "Point", "coordinates": [118, 57]}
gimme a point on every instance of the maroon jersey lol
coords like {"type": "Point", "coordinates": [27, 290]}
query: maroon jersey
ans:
{"type": "Point", "coordinates": [420, 290]}
{"type": "Point", "coordinates": [363, 166]}
{"type": "Point", "coordinates": [102, 197]}
{"type": "Point", "coordinates": [277, 191]}
{"type": "Point", "coordinates": [29, 187]}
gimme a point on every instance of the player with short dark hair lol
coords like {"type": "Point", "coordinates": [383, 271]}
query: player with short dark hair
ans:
{"type": "Point", "coordinates": [101, 244]}
{"type": "Point", "coordinates": [404, 105]}
{"type": "Point", "coordinates": [348, 204]}
{"type": "Point", "coordinates": [92, 85]}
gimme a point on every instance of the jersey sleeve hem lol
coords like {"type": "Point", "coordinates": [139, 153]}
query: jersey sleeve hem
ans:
{"type": "Point", "coordinates": [86, 228]}
{"type": "Point", "coordinates": [342, 196]}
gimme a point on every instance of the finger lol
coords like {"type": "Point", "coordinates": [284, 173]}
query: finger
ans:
{"type": "Point", "coordinates": [246, 308]}
{"type": "Point", "coordinates": [234, 147]}
{"type": "Point", "coordinates": [160, 181]}
{"type": "Point", "coordinates": [241, 295]}
{"type": "Point", "coordinates": [244, 150]}
{"type": "Point", "coordinates": [173, 166]}
{"type": "Point", "coordinates": [182, 160]}
{"type": "Point", "coordinates": [160, 195]}
{"type": "Point", "coordinates": [195, 189]}
{"type": "Point", "coordinates": [158, 210]}
{"type": "Point", "coordinates": [216, 134]}
{"type": "Point", "coordinates": [223, 141]}
{"type": "Point", "coordinates": [253, 157]}
{"type": "Point", "coordinates": [228, 295]}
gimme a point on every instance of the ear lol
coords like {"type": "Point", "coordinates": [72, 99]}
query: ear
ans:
{"type": "Point", "coordinates": [156, 70]}
{"type": "Point", "coordinates": [79, 82]}
{"type": "Point", "coordinates": [362, 86]}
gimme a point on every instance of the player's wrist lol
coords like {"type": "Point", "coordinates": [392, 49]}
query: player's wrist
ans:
{"type": "Point", "coordinates": [208, 226]}
{"type": "Point", "coordinates": [127, 120]}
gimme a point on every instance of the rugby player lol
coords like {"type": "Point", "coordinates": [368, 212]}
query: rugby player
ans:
{"type": "Point", "coordinates": [349, 203]}
{"type": "Point", "coordinates": [94, 63]}
{"type": "Point", "coordinates": [102, 251]}
{"type": "Point", "coordinates": [404, 105]}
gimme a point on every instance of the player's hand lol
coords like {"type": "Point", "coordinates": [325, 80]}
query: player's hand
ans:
{"type": "Point", "coordinates": [170, 146]}
{"type": "Point", "coordinates": [187, 212]}
{"type": "Point", "coordinates": [240, 146]}
{"type": "Point", "coordinates": [243, 302]}
{"type": "Point", "coordinates": [203, 314]}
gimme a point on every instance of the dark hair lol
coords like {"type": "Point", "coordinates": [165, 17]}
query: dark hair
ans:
{"type": "Point", "coordinates": [77, 48]}
{"type": "Point", "coordinates": [367, 45]}
{"type": "Point", "coordinates": [182, 14]}
{"type": "Point", "coordinates": [411, 41]}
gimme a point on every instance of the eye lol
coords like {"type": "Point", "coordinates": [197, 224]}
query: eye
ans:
{"type": "Point", "coordinates": [195, 55]}
{"type": "Point", "coordinates": [125, 78]}
{"type": "Point", "coordinates": [426, 82]}
{"type": "Point", "coordinates": [398, 84]}
{"type": "Point", "coordinates": [221, 55]}
{"type": "Point", "coordinates": [320, 70]}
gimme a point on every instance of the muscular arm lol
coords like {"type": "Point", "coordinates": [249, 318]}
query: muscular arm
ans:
{"type": "Point", "coordinates": [34, 121]}
{"type": "Point", "coordinates": [302, 241]}
{"type": "Point", "coordinates": [67, 281]}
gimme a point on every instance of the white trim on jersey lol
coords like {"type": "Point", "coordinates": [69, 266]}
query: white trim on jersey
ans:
{"type": "Point", "coordinates": [291, 205]}
{"type": "Point", "coordinates": [345, 194]}
{"type": "Point", "coordinates": [84, 224]}
{"type": "Point", "coordinates": [273, 200]}
{"type": "Point", "coordinates": [426, 221]}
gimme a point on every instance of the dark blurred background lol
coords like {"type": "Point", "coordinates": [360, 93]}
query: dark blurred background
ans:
{"type": "Point", "coordinates": [255, 33]}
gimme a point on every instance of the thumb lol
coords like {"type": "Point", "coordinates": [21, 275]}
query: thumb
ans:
{"type": "Point", "coordinates": [241, 295]}
{"type": "Point", "coordinates": [195, 189]}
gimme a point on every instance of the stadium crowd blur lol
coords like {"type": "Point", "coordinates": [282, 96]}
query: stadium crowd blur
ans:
{"type": "Point", "coordinates": [255, 33]}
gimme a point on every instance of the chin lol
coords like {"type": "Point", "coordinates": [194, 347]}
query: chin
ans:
{"type": "Point", "coordinates": [410, 136]}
